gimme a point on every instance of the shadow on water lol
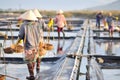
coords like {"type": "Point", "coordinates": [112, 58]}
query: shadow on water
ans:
{"type": "Point", "coordinates": [60, 46]}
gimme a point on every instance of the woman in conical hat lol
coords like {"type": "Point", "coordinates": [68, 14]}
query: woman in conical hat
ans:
{"type": "Point", "coordinates": [27, 34]}
{"type": "Point", "coordinates": [28, 16]}
{"type": "Point", "coordinates": [40, 19]}
{"type": "Point", "coordinates": [61, 22]}
{"type": "Point", "coordinates": [40, 23]}
{"type": "Point", "coordinates": [37, 13]}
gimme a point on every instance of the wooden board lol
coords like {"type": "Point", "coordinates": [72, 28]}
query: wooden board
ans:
{"type": "Point", "coordinates": [17, 60]}
{"type": "Point", "coordinates": [106, 38]}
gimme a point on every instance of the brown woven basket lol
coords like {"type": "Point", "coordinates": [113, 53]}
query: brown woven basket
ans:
{"type": "Point", "coordinates": [8, 50]}
{"type": "Point", "coordinates": [2, 77]}
{"type": "Point", "coordinates": [18, 49]}
{"type": "Point", "coordinates": [105, 29]}
{"type": "Point", "coordinates": [69, 27]}
{"type": "Point", "coordinates": [13, 48]}
{"type": "Point", "coordinates": [17, 25]}
{"type": "Point", "coordinates": [41, 44]}
{"type": "Point", "coordinates": [42, 51]}
{"type": "Point", "coordinates": [48, 46]}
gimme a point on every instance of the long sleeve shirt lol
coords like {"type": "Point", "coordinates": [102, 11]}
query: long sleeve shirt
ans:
{"type": "Point", "coordinates": [60, 20]}
{"type": "Point", "coordinates": [29, 33]}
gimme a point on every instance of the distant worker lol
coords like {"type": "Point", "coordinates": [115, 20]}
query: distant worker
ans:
{"type": "Point", "coordinates": [40, 36]}
{"type": "Point", "coordinates": [50, 27]}
{"type": "Point", "coordinates": [99, 16]}
{"type": "Point", "coordinates": [61, 22]}
{"type": "Point", "coordinates": [41, 21]}
{"type": "Point", "coordinates": [50, 23]}
{"type": "Point", "coordinates": [109, 20]}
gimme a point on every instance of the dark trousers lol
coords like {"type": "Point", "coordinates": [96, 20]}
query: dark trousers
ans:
{"type": "Point", "coordinates": [98, 23]}
{"type": "Point", "coordinates": [31, 66]}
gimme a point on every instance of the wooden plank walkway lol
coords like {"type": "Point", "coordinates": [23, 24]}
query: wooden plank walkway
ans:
{"type": "Point", "coordinates": [68, 67]}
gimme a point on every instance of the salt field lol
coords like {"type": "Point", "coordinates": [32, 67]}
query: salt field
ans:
{"type": "Point", "coordinates": [74, 58]}
{"type": "Point", "coordinates": [60, 40]}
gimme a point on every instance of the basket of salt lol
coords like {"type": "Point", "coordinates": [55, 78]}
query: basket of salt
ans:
{"type": "Point", "coordinates": [41, 45]}
{"type": "Point", "coordinates": [17, 25]}
{"type": "Point", "coordinates": [17, 48]}
{"type": "Point", "coordinates": [42, 51]}
{"type": "Point", "coordinates": [8, 50]}
{"type": "Point", "coordinates": [70, 27]}
{"type": "Point", "coordinates": [48, 46]}
{"type": "Point", "coordinates": [2, 77]}
{"type": "Point", "coordinates": [117, 29]}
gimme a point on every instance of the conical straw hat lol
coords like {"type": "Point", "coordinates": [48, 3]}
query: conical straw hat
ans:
{"type": "Point", "coordinates": [29, 15]}
{"type": "Point", "coordinates": [37, 13]}
{"type": "Point", "coordinates": [59, 11]}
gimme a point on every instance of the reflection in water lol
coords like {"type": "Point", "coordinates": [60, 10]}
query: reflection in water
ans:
{"type": "Point", "coordinates": [98, 34]}
{"type": "Point", "coordinates": [109, 47]}
{"type": "Point", "coordinates": [60, 46]}
{"type": "Point", "coordinates": [99, 43]}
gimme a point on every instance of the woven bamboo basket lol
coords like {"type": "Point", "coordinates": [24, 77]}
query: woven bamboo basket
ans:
{"type": "Point", "coordinates": [69, 27]}
{"type": "Point", "coordinates": [41, 44]}
{"type": "Point", "coordinates": [2, 77]}
{"type": "Point", "coordinates": [8, 50]}
{"type": "Point", "coordinates": [18, 25]}
{"type": "Point", "coordinates": [48, 46]}
{"type": "Point", "coordinates": [42, 51]}
{"type": "Point", "coordinates": [18, 49]}
{"type": "Point", "coordinates": [117, 29]}
{"type": "Point", "coordinates": [105, 29]}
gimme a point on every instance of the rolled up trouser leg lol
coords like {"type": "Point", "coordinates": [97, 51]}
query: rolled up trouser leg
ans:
{"type": "Point", "coordinates": [38, 65]}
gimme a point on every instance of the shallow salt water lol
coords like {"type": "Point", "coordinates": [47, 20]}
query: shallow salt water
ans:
{"type": "Point", "coordinates": [103, 47]}
{"type": "Point", "coordinates": [109, 47]}
{"type": "Point", "coordinates": [20, 70]}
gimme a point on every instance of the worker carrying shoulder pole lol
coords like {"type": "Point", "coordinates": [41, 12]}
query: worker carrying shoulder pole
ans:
{"type": "Point", "coordinates": [27, 34]}
{"type": "Point", "coordinates": [61, 22]}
